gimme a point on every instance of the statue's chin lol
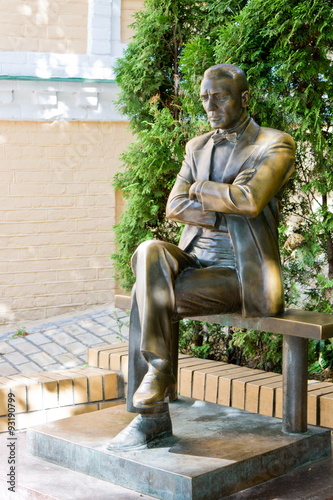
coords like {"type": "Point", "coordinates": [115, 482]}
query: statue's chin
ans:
{"type": "Point", "coordinates": [216, 124]}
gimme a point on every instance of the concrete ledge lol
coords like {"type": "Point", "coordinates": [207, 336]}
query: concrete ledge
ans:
{"type": "Point", "coordinates": [48, 396]}
{"type": "Point", "coordinates": [230, 385]}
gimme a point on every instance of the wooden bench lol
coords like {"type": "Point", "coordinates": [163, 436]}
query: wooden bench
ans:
{"type": "Point", "coordinates": [297, 327]}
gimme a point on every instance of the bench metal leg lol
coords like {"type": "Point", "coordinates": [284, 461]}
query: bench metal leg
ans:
{"type": "Point", "coordinates": [295, 384]}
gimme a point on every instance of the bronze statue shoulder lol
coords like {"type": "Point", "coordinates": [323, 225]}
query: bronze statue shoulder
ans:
{"type": "Point", "coordinates": [199, 141]}
{"type": "Point", "coordinates": [267, 134]}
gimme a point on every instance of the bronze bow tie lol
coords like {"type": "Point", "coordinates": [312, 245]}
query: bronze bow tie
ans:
{"type": "Point", "coordinates": [219, 137]}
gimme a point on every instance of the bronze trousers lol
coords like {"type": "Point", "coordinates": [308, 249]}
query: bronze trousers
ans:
{"type": "Point", "coordinates": [170, 284]}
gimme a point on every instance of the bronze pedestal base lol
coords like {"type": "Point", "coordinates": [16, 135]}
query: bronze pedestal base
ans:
{"type": "Point", "coordinates": [213, 452]}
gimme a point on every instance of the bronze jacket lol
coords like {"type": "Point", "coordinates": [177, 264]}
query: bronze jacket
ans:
{"type": "Point", "coordinates": [249, 197]}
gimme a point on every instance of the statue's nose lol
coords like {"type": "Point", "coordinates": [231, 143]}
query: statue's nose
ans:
{"type": "Point", "coordinates": [211, 104]}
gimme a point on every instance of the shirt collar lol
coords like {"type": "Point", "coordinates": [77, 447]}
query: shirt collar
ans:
{"type": "Point", "coordinates": [238, 130]}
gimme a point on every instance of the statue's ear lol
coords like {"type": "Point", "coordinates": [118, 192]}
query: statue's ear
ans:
{"type": "Point", "coordinates": [245, 99]}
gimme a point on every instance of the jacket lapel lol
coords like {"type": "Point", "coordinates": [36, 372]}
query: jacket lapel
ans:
{"type": "Point", "coordinates": [202, 159]}
{"type": "Point", "coordinates": [244, 148]}
{"type": "Point", "coordinates": [242, 151]}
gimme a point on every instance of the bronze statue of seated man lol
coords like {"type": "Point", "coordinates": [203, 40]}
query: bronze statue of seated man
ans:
{"type": "Point", "coordinates": [228, 195]}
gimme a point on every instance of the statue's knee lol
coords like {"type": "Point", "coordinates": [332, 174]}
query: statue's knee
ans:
{"type": "Point", "coordinates": [146, 249]}
{"type": "Point", "coordinates": [149, 246]}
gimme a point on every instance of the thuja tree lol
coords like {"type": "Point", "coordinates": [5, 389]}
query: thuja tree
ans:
{"type": "Point", "coordinates": [164, 113]}
{"type": "Point", "coordinates": [286, 47]}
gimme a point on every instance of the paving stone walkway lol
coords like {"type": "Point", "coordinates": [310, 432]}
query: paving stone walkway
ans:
{"type": "Point", "coordinates": [61, 342]}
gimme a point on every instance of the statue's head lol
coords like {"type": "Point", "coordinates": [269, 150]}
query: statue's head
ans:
{"type": "Point", "coordinates": [225, 96]}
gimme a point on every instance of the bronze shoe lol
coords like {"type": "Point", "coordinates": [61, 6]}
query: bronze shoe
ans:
{"type": "Point", "coordinates": [144, 429]}
{"type": "Point", "coordinates": [154, 388]}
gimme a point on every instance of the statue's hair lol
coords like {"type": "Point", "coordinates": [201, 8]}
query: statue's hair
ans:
{"type": "Point", "coordinates": [228, 71]}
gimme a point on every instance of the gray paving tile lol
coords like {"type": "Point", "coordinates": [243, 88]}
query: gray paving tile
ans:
{"type": "Point", "coordinates": [87, 323]}
{"type": "Point", "coordinates": [16, 358]}
{"type": "Point", "coordinates": [102, 330]}
{"type": "Point", "coordinates": [54, 367]}
{"type": "Point", "coordinates": [42, 359]}
{"type": "Point", "coordinates": [6, 369]}
{"type": "Point", "coordinates": [6, 336]}
{"type": "Point", "coordinates": [53, 349]}
{"type": "Point", "coordinates": [5, 347]}
{"type": "Point", "coordinates": [89, 339]}
{"type": "Point", "coordinates": [43, 328]}
{"type": "Point", "coordinates": [108, 322]}
{"type": "Point", "coordinates": [61, 344]}
{"type": "Point", "coordinates": [77, 348]}
{"type": "Point", "coordinates": [74, 329]}
{"type": "Point", "coordinates": [120, 314]}
{"type": "Point", "coordinates": [67, 360]}
{"type": "Point", "coordinates": [28, 348]}
{"type": "Point", "coordinates": [17, 341]}
{"type": "Point", "coordinates": [110, 339]}
{"type": "Point", "coordinates": [30, 367]}
{"type": "Point", "coordinates": [123, 332]}
{"type": "Point", "coordinates": [38, 338]}
{"type": "Point", "coordinates": [52, 331]}
{"type": "Point", "coordinates": [93, 316]}
{"type": "Point", "coordinates": [61, 337]}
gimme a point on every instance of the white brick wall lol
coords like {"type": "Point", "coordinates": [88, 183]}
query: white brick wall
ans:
{"type": "Point", "coordinates": [48, 101]}
{"type": "Point", "coordinates": [54, 100]}
{"type": "Point", "coordinates": [52, 65]}
{"type": "Point", "coordinates": [104, 47]}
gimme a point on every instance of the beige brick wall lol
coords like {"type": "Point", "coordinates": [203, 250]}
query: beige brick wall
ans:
{"type": "Point", "coordinates": [128, 8]}
{"type": "Point", "coordinates": [44, 26]}
{"type": "Point", "coordinates": [57, 212]}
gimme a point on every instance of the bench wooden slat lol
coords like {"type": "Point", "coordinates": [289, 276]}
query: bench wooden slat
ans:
{"type": "Point", "coordinates": [306, 324]}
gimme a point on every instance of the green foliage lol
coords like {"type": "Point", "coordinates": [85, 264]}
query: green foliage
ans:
{"type": "Point", "coordinates": [158, 79]}
{"type": "Point", "coordinates": [286, 48]}
{"type": "Point", "coordinates": [193, 339]}
{"type": "Point", "coordinates": [152, 163]}
{"type": "Point", "coordinates": [150, 67]}
{"type": "Point", "coordinates": [200, 339]}
{"type": "Point", "coordinates": [323, 356]}
{"type": "Point", "coordinates": [20, 332]}
{"type": "Point", "coordinates": [149, 77]}
{"type": "Point", "coordinates": [260, 350]}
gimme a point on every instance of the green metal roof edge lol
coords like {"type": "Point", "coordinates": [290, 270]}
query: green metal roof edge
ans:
{"type": "Point", "coordinates": [57, 79]}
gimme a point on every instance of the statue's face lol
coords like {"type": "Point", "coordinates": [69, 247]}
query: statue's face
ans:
{"type": "Point", "coordinates": [223, 102]}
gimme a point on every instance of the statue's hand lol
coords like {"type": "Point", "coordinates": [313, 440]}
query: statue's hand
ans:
{"type": "Point", "coordinates": [244, 176]}
{"type": "Point", "coordinates": [194, 190]}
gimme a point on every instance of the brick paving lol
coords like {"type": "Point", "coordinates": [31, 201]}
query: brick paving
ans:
{"type": "Point", "coordinates": [61, 343]}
